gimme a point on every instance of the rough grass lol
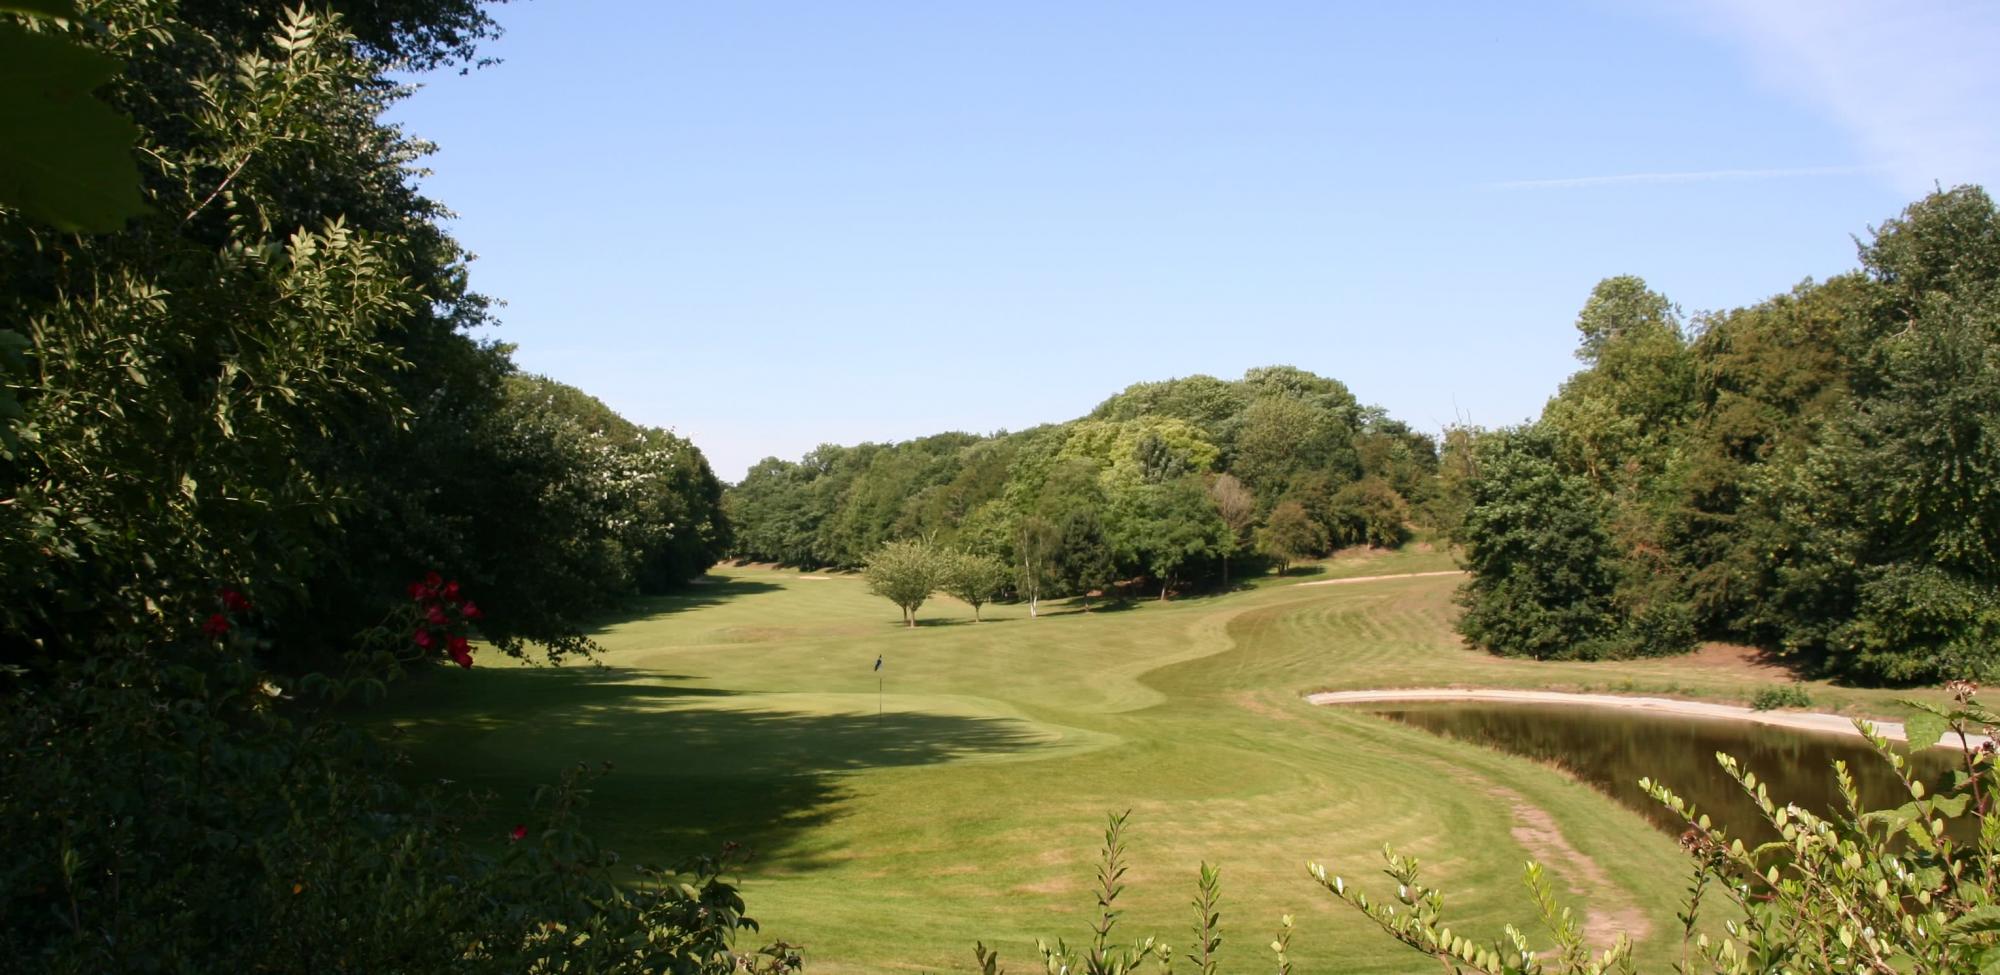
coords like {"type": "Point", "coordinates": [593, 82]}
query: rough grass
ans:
{"type": "Point", "coordinates": [969, 807]}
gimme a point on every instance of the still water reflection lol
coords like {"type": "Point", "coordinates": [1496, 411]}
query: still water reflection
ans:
{"type": "Point", "coordinates": [1612, 750]}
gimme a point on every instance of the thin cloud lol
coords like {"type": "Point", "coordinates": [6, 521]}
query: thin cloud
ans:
{"type": "Point", "coordinates": [1913, 82]}
{"type": "Point", "coordinates": [1698, 176]}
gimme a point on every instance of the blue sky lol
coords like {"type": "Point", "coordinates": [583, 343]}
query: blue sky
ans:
{"type": "Point", "coordinates": [769, 225]}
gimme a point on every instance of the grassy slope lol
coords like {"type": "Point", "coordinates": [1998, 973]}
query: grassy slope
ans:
{"type": "Point", "coordinates": [970, 809]}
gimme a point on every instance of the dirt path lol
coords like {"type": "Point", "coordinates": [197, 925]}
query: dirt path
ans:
{"type": "Point", "coordinates": [1404, 575]}
{"type": "Point", "coordinates": [1612, 911]}
{"type": "Point", "coordinates": [1798, 720]}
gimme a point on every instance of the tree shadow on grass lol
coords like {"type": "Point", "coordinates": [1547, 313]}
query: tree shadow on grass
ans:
{"type": "Point", "coordinates": [926, 621]}
{"type": "Point", "coordinates": [691, 767]}
{"type": "Point", "coordinates": [714, 591]}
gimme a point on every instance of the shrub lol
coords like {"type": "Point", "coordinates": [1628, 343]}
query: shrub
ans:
{"type": "Point", "coordinates": [1781, 696]}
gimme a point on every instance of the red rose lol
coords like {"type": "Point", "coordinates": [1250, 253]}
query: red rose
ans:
{"type": "Point", "coordinates": [424, 639]}
{"type": "Point", "coordinates": [417, 592]}
{"type": "Point", "coordinates": [520, 833]}
{"type": "Point", "coordinates": [462, 658]}
{"type": "Point", "coordinates": [470, 610]}
{"type": "Point", "coordinates": [216, 625]}
{"type": "Point", "coordinates": [432, 580]}
{"type": "Point", "coordinates": [450, 591]}
{"type": "Point", "coordinates": [235, 601]}
{"type": "Point", "coordinates": [436, 615]}
{"type": "Point", "coordinates": [460, 650]}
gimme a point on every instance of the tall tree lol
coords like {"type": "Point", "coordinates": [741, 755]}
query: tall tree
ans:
{"type": "Point", "coordinates": [1284, 437]}
{"type": "Point", "coordinates": [1037, 553]}
{"type": "Point", "coordinates": [1168, 528]}
{"type": "Point", "coordinates": [1238, 510]}
{"type": "Point", "coordinates": [1895, 515]}
{"type": "Point", "coordinates": [1617, 417]}
{"type": "Point", "coordinates": [1542, 566]}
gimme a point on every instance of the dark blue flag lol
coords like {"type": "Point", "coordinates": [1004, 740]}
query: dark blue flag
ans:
{"type": "Point", "coordinates": [878, 661]}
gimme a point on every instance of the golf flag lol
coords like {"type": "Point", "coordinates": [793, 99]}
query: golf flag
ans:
{"type": "Point", "coordinates": [878, 661]}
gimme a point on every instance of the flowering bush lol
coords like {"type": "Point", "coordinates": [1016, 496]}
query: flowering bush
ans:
{"type": "Point", "coordinates": [441, 617]}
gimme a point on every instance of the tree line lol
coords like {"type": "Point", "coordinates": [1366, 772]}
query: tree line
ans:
{"type": "Point", "coordinates": [253, 468]}
{"type": "Point", "coordinates": [268, 381]}
{"type": "Point", "coordinates": [1173, 483]}
{"type": "Point", "coordinates": [1818, 473]}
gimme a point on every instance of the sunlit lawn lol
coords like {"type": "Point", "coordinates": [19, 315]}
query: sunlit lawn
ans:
{"type": "Point", "coordinates": [965, 801]}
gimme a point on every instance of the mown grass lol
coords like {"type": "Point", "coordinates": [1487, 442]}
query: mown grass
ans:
{"type": "Point", "coordinates": [969, 807]}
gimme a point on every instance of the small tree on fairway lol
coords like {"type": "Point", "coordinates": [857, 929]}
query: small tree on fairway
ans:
{"type": "Point", "coordinates": [905, 573]}
{"type": "Point", "coordinates": [1290, 534]}
{"type": "Point", "coordinates": [975, 579]}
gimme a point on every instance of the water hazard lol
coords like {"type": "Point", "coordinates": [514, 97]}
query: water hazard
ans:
{"type": "Point", "coordinates": [1612, 750]}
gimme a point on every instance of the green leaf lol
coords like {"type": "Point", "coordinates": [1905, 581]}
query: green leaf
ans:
{"type": "Point", "coordinates": [1923, 729]}
{"type": "Point", "coordinates": [65, 157]}
{"type": "Point", "coordinates": [1951, 807]}
{"type": "Point", "coordinates": [1989, 962]}
{"type": "Point", "coordinates": [1979, 920]}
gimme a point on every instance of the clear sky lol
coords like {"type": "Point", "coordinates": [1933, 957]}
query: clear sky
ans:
{"type": "Point", "coordinates": [769, 225]}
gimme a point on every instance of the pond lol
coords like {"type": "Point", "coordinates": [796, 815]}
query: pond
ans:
{"type": "Point", "coordinates": [1612, 750]}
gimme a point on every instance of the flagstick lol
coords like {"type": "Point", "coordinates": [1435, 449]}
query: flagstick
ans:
{"type": "Point", "coordinates": [878, 695]}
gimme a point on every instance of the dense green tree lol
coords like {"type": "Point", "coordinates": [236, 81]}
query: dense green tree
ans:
{"type": "Point", "coordinates": [1619, 309]}
{"type": "Point", "coordinates": [1319, 392]}
{"type": "Point", "coordinates": [1444, 511]}
{"type": "Point", "coordinates": [774, 514]}
{"type": "Point", "coordinates": [1398, 455]}
{"type": "Point", "coordinates": [602, 507]}
{"type": "Point", "coordinates": [1085, 561]}
{"type": "Point", "coordinates": [1074, 503]}
{"type": "Point", "coordinates": [207, 391]}
{"type": "Point", "coordinates": [1369, 512]}
{"type": "Point", "coordinates": [1147, 450]}
{"type": "Point", "coordinates": [1893, 519]}
{"type": "Point", "coordinates": [1284, 437]}
{"type": "Point", "coordinates": [1291, 535]}
{"type": "Point", "coordinates": [1211, 404]}
{"type": "Point", "coordinates": [1543, 567]}
{"type": "Point", "coordinates": [980, 473]}
{"type": "Point", "coordinates": [1618, 417]}
{"type": "Point", "coordinates": [1768, 377]}
{"type": "Point", "coordinates": [1169, 529]}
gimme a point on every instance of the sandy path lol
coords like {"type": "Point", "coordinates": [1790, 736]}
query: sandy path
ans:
{"type": "Point", "coordinates": [1798, 720]}
{"type": "Point", "coordinates": [1610, 911]}
{"type": "Point", "coordinates": [1405, 575]}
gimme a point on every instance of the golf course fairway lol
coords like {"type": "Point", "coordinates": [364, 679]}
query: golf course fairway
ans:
{"type": "Point", "coordinates": [963, 797]}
